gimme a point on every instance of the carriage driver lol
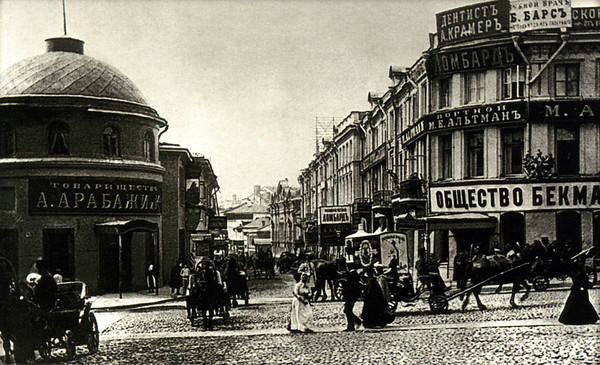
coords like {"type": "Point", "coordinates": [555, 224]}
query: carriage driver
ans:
{"type": "Point", "coordinates": [428, 271]}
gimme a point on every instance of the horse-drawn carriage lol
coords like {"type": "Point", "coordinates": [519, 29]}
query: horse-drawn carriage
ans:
{"type": "Point", "coordinates": [25, 327]}
{"type": "Point", "coordinates": [206, 296]}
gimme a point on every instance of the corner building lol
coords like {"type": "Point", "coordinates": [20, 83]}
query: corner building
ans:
{"type": "Point", "coordinates": [80, 179]}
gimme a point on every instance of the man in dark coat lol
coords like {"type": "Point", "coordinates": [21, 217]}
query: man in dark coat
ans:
{"type": "Point", "coordinates": [351, 292]}
{"type": "Point", "coordinates": [375, 311]}
{"type": "Point", "coordinates": [44, 292]}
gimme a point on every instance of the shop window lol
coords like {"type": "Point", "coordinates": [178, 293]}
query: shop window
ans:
{"type": "Point", "coordinates": [7, 140]}
{"type": "Point", "coordinates": [474, 83]}
{"type": "Point", "coordinates": [444, 92]}
{"type": "Point", "coordinates": [58, 139]}
{"type": "Point", "coordinates": [567, 150]}
{"type": "Point", "coordinates": [475, 154]}
{"type": "Point", "coordinates": [512, 151]}
{"type": "Point", "coordinates": [568, 230]}
{"type": "Point", "coordinates": [566, 79]}
{"type": "Point", "coordinates": [512, 226]}
{"type": "Point", "coordinates": [445, 145]}
{"type": "Point", "coordinates": [110, 142]}
{"type": "Point", "coordinates": [149, 150]}
{"type": "Point", "coordinates": [513, 82]}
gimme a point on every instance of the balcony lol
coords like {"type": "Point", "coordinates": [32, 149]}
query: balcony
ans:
{"type": "Point", "coordinates": [411, 189]}
{"type": "Point", "coordinates": [382, 197]}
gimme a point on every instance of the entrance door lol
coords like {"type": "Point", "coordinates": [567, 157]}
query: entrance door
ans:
{"type": "Point", "coordinates": [109, 263]}
{"type": "Point", "coordinates": [568, 229]}
{"type": "Point", "coordinates": [58, 251]}
{"type": "Point", "coordinates": [9, 246]}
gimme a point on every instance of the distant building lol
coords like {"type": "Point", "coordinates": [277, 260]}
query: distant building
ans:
{"type": "Point", "coordinates": [285, 216]}
{"type": "Point", "coordinates": [239, 216]}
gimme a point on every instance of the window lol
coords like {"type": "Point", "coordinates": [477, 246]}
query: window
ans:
{"type": "Point", "coordinates": [566, 79]}
{"type": "Point", "coordinates": [149, 153]}
{"type": "Point", "coordinates": [512, 151]}
{"type": "Point", "coordinates": [423, 101]}
{"type": "Point", "coordinates": [474, 87]}
{"type": "Point", "coordinates": [444, 92]}
{"type": "Point", "coordinates": [536, 88]}
{"type": "Point", "coordinates": [110, 142]}
{"type": "Point", "coordinates": [567, 150]}
{"type": "Point", "coordinates": [7, 140]}
{"type": "Point", "coordinates": [513, 82]}
{"type": "Point", "coordinates": [58, 139]}
{"type": "Point", "coordinates": [445, 145]}
{"type": "Point", "coordinates": [475, 154]}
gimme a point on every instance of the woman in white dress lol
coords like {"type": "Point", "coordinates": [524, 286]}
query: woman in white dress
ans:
{"type": "Point", "coordinates": [301, 313]}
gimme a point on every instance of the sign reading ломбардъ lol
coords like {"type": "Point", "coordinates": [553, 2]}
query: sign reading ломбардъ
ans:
{"type": "Point", "coordinates": [334, 214]}
{"type": "Point", "coordinates": [539, 14]}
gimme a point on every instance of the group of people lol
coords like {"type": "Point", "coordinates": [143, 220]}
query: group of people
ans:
{"type": "Point", "coordinates": [180, 278]}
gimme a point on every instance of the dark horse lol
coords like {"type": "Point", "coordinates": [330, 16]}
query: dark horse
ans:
{"type": "Point", "coordinates": [237, 283]}
{"type": "Point", "coordinates": [327, 273]}
{"type": "Point", "coordinates": [483, 268]}
{"type": "Point", "coordinates": [17, 315]}
{"type": "Point", "coordinates": [203, 296]}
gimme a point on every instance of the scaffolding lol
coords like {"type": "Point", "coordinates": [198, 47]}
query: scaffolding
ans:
{"type": "Point", "coordinates": [324, 131]}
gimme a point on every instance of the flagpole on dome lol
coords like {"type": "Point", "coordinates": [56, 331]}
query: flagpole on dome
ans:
{"type": "Point", "coordinates": [64, 7]}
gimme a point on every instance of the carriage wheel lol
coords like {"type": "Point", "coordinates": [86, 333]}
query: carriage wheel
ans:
{"type": "Point", "coordinates": [45, 349]}
{"type": "Point", "coordinates": [392, 305]}
{"type": "Point", "coordinates": [93, 335]}
{"type": "Point", "coordinates": [69, 344]}
{"type": "Point", "coordinates": [438, 303]}
{"type": "Point", "coordinates": [338, 289]}
{"type": "Point", "coordinates": [541, 283]}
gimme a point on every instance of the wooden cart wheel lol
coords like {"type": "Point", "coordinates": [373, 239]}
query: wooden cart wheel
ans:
{"type": "Point", "coordinates": [45, 349]}
{"type": "Point", "coordinates": [392, 305]}
{"type": "Point", "coordinates": [69, 344]}
{"type": "Point", "coordinates": [93, 335]}
{"type": "Point", "coordinates": [541, 283]}
{"type": "Point", "coordinates": [338, 289]}
{"type": "Point", "coordinates": [438, 303]}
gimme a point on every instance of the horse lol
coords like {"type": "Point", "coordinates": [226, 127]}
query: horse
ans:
{"type": "Point", "coordinates": [327, 273]}
{"type": "Point", "coordinates": [285, 262]}
{"type": "Point", "coordinates": [203, 296]}
{"type": "Point", "coordinates": [482, 268]}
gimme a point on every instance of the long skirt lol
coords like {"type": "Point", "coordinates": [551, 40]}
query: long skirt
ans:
{"type": "Point", "coordinates": [300, 316]}
{"type": "Point", "coordinates": [578, 309]}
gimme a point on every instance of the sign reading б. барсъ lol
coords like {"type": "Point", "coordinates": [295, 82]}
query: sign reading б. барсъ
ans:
{"type": "Point", "coordinates": [68, 195]}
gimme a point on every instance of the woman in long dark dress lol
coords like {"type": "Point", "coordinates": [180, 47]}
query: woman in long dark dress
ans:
{"type": "Point", "coordinates": [578, 309]}
{"type": "Point", "coordinates": [375, 311]}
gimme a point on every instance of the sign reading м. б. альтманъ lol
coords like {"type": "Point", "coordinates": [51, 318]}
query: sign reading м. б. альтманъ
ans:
{"type": "Point", "coordinates": [514, 197]}
{"type": "Point", "coordinates": [69, 195]}
{"type": "Point", "coordinates": [334, 214]}
{"type": "Point", "coordinates": [539, 14]}
{"type": "Point", "coordinates": [472, 21]}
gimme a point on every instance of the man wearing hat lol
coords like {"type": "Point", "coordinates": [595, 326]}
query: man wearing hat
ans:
{"type": "Point", "coordinates": [351, 292]}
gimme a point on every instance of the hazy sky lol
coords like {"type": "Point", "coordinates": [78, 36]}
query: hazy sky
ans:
{"type": "Point", "coordinates": [239, 81]}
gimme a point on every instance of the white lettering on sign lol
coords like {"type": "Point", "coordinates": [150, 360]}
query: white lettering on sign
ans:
{"type": "Point", "coordinates": [515, 197]}
{"type": "Point", "coordinates": [334, 215]}
{"type": "Point", "coordinates": [539, 14]}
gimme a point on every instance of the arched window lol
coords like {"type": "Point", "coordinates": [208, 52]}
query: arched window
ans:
{"type": "Point", "coordinates": [111, 141]}
{"type": "Point", "coordinates": [149, 153]}
{"type": "Point", "coordinates": [512, 226]}
{"type": "Point", "coordinates": [7, 140]}
{"type": "Point", "coordinates": [58, 138]}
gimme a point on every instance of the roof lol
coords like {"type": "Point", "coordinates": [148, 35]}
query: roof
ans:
{"type": "Point", "coordinates": [258, 223]}
{"type": "Point", "coordinates": [251, 208]}
{"type": "Point", "coordinates": [67, 73]}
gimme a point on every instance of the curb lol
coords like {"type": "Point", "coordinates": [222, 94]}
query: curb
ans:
{"type": "Point", "coordinates": [135, 305]}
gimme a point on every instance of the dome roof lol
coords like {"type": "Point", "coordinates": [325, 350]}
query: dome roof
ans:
{"type": "Point", "coordinates": [67, 73]}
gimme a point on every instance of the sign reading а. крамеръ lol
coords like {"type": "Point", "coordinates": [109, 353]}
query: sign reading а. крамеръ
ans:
{"type": "Point", "coordinates": [69, 195]}
{"type": "Point", "coordinates": [334, 214]}
{"type": "Point", "coordinates": [472, 21]}
{"type": "Point", "coordinates": [515, 197]}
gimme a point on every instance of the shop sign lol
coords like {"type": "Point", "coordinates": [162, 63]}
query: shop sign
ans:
{"type": "Point", "coordinates": [472, 22]}
{"type": "Point", "coordinates": [539, 14]}
{"type": "Point", "coordinates": [481, 58]}
{"type": "Point", "coordinates": [563, 110]}
{"type": "Point", "coordinates": [586, 18]}
{"type": "Point", "coordinates": [515, 197]}
{"type": "Point", "coordinates": [217, 222]}
{"type": "Point", "coordinates": [334, 214]}
{"type": "Point", "coordinates": [69, 195]}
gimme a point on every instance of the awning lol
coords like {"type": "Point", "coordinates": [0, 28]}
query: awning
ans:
{"type": "Point", "coordinates": [126, 226]}
{"type": "Point", "coordinates": [460, 221]}
{"type": "Point", "coordinates": [360, 234]}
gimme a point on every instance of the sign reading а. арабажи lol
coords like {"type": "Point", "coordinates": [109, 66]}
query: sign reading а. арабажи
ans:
{"type": "Point", "coordinates": [69, 195]}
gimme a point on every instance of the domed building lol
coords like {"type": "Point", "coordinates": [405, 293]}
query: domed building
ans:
{"type": "Point", "coordinates": [80, 179]}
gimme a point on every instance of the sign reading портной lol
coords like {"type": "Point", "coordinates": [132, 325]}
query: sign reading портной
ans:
{"type": "Point", "coordinates": [539, 14]}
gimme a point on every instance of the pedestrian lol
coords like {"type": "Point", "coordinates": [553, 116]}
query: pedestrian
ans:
{"type": "Point", "coordinates": [175, 282]}
{"type": "Point", "coordinates": [308, 268]}
{"type": "Point", "coordinates": [185, 275]}
{"type": "Point", "coordinates": [375, 311]}
{"type": "Point", "coordinates": [301, 312]}
{"type": "Point", "coordinates": [578, 309]}
{"type": "Point", "coordinates": [151, 278]}
{"type": "Point", "coordinates": [351, 293]}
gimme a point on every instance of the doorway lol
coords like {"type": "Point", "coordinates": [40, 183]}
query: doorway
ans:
{"type": "Point", "coordinates": [9, 246]}
{"type": "Point", "coordinates": [58, 246]}
{"type": "Point", "coordinates": [512, 226]}
{"type": "Point", "coordinates": [568, 229]}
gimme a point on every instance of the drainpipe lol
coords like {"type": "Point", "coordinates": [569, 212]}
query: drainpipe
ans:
{"type": "Point", "coordinates": [565, 39]}
{"type": "Point", "coordinates": [163, 131]}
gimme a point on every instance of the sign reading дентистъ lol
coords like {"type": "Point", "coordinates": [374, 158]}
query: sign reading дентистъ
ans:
{"type": "Point", "coordinates": [334, 214]}
{"type": "Point", "coordinates": [539, 14]}
{"type": "Point", "coordinates": [515, 197]}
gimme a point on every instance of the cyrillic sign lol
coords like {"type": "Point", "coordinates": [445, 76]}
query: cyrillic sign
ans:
{"type": "Point", "coordinates": [539, 14]}
{"type": "Point", "coordinates": [471, 22]}
{"type": "Point", "coordinates": [563, 110]}
{"type": "Point", "coordinates": [586, 18]}
{"type": "Point", "coordinates": [68, 195]}
{"type": "Point", "coordinates": [515, 197]}
{"type": "Point", "coordinates": [334, 215]}
{"type": "Point", "coordinates": [482, 58]}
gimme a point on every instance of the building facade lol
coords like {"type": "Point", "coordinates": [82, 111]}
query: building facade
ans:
{"type": "Point", "coordinates": [284, 211]}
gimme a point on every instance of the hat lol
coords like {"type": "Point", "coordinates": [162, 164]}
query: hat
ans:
{"type": "Point", "coordinates": [33, 278]}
